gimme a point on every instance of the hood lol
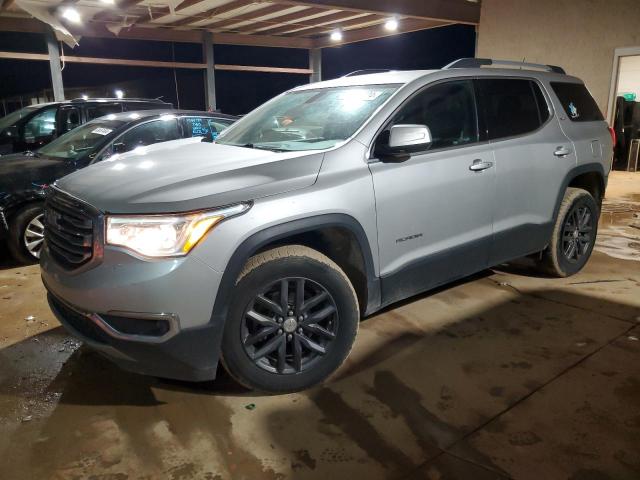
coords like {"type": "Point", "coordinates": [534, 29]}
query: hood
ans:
{"type": "Point", "coordinates": [182, 175]}
{"type": "Point", "coordinates": [19, 171]}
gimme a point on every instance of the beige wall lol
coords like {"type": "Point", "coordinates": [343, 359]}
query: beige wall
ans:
{"type": "Point", "coordinates": [578, 35]}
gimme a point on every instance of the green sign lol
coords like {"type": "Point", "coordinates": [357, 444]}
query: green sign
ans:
{"type": "Point", "coordinates": [629, 97]}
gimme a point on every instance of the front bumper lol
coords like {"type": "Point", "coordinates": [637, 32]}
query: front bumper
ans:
{"type": "Point", "coordinates": [177, 292]}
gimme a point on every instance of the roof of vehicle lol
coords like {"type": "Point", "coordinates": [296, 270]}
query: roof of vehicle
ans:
{"type": "Point", "coordinates": [380, 78]}
{"type": "Point", "coordinates": [146, 114]}
{"type": "Point", "coordinates": [460, 67]}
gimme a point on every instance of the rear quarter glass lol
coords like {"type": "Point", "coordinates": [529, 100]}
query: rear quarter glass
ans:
{"type": "Point", "coordinates": [577, 102]}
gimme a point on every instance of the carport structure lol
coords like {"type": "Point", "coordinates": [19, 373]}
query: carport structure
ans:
{"type": "Point", "coordinates": [303, 24]}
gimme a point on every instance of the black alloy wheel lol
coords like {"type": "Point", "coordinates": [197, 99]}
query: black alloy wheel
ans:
{"type": "Point", "coordinates": [289, 326]}
{"type": "Point", "coordinates": [577, 233]}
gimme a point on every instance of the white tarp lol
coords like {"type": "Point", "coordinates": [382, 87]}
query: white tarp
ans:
{"type": "Point", "coordinates": [41, 12]}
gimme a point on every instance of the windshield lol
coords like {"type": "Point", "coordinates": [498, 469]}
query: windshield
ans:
{"type": "Point", "coordinates": [81, 140]}
{"type": "Point", "coordinates": [15, 116]}
{"type": "Point", "coordinates": [308, 119]}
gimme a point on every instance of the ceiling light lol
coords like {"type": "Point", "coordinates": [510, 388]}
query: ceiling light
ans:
{"type": "Point", "coordinates": [85, 97]}
{"type": "Point", "coordinates": [71, 14]}
{"type": "Point", "coordinates": [119, 93]}
{"type": "Point", "coordinates": [336, 36]}
{"type": "Point", "coordinates": [391, 25]}
{"type": "Point", "coordinates": [108, 2]}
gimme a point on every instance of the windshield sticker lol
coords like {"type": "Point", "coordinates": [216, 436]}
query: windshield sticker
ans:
{"type": "Point", "coordinates": [102, 131]}
{"type": "Point", "coordinates": [573, 111]}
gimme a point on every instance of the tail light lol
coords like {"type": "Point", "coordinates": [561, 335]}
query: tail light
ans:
{"type": "Point", "coordinates": [614, 137]}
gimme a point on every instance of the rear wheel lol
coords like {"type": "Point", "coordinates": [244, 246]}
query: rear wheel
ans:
{"type": "Point", "coordinates": [574, 234]}
{"type": "Point", "coordinates": [292, 321]}
{"type": "Point", "coordinates": [26, 233]}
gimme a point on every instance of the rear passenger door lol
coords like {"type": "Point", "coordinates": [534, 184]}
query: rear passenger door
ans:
{"type": "Point", "coordinates": [532, 157]}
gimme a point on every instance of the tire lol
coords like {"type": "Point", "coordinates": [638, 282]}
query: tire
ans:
{"type": "Point", "coordinates": [17, 231]}
{"type": "Point", "coordinates": [329, 323]}
{"type": "Point", "coordinates": [555, 259]}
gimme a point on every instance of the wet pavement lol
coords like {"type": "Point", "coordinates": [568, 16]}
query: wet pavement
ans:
{"type": "Point", "coordinates": [503, 375]}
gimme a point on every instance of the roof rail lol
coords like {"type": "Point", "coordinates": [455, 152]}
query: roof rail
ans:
{"type": "Point", "coordinates": [366, 71]}
{"type": "Point", "coordinates": [480, 62]}
{"type": "Point", "coordinates": [93, 99]}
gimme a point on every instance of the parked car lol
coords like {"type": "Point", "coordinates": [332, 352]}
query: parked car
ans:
{"type": "Point", "coordinates": [36, 125]}
{"type": "Point", "coordinates": [331, 201]}
{"type": "Point", "coordinates": [25, 176]}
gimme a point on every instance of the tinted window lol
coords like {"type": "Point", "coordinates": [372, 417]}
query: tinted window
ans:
{"type": "Point", "coordinates": [577, 102]}
{"type": "Point", "coordinates": [510, 106]}
{"type": "Point", "coordinates": [96, 111]}
{"type": "Point", "coordinates": [204, 127]}
{"type": "Point", "coordinates": [543, 106]}
{"type": "Point", "coordinates": [85, 139]}
{"type": "Point", "coordinates": [448, 109]}
{"type": "Point", "coordinates": [149, 133]}
{"type": "Point", "coordinates": [69, 119]}
{"type": "Point", "coordinates": [41, 125]}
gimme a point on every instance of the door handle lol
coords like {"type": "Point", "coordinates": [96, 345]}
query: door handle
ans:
{"type": "Point", "coordinates": [562, 151]}
{"type": "Point", "coordinates": [479, 165]}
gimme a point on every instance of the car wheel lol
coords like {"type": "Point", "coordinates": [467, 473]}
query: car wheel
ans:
{"type": "Point", "coordinates": [26, 233]}
{"type": "Point", "coordinates": [292, 321]}
{"type": "Point", "coordinates": [574, 234]}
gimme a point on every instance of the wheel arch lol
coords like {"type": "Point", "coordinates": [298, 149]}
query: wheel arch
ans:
{"type": "Point", "coordinates": [309, 232]}
{"type": "Point", "coordinates": [590, 177]}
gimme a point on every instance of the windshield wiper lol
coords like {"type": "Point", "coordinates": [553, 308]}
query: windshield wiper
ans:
{"type": "Point", "coordinates": [258, 147]}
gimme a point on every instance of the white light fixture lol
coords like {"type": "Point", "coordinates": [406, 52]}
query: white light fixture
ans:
{"type": "Point", "coordinates": [108, 2]}
{"type": "Point", "coordinates": [71, 14]}
{"type": "Point", "coordinates": [391, 25]}
{"type": "Point", "coordinates": [85, 97]}
{"type": "Point", "coordinates": [119, 93]}
{"type": "Point", "coordinates": [336, 35]}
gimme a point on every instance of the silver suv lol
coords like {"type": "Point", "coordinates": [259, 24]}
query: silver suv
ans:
{"type": "Point", "coordinates": [325, 204]}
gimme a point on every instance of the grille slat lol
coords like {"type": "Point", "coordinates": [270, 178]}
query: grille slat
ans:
{"type": "Point", "coordinates": [69, 226]}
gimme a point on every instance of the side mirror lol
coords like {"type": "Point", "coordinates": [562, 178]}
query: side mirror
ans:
{"type": "Point", "coordinates": [403, 140]}
{"type": "Point", "coordinates": [409, 137]}
{"type": "Point", "coordinates": [119, 148]}
{"type": "Point", "coordinates": [11, 131]}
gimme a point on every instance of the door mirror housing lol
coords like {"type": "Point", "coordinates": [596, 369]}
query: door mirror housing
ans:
{"type": "Point", "coordinates": [402, 141]}
{"type": "Point", "coordinates": [409, 137]}
{"type": "Point", "coordinates": [11, 131]}
{"type": "Point", "coordinates": [119, 148]}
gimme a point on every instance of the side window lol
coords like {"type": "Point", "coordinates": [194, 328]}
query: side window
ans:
{"type": "Point", "coordinates": [96, 111]}
{"type": "Point", "coordinates": [41, 126]}
{"type": "Point", "coordinates": [448, 109]}
{"type": "Point", "coordinates": [69, 118]}
{"type": "Point", "coordinates": [206, 127]}
{"type": "Point", "coordinates": [577, 102]}
{"type": "Point", "coordinates": [147, 134]}
{"type": "Point", "coordinates": [510, 106]}
{"type": "Point", "coordinates": [543, 106]}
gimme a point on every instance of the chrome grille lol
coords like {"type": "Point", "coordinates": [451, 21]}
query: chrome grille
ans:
{"type": "Point", "coordinates": [68, 230]}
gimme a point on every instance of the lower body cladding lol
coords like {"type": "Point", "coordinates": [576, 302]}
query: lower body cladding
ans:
{"type": "Point", "coordinates": [149, 317]}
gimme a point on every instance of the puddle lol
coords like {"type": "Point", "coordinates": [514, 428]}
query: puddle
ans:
{"type": "Point", "coordinates": [619, 229]}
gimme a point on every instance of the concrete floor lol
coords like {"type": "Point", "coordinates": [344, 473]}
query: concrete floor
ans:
{"type": "Point", "coordinates": [504, 375]}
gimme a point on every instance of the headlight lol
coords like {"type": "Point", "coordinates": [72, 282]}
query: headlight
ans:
{"type": "Point", "coordinates": [165, 235]}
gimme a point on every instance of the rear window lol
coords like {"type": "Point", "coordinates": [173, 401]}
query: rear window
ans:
{"type": "Point", "coordinates": [512, 106]}
{"type": "Point", "coordinates": [577, 102]}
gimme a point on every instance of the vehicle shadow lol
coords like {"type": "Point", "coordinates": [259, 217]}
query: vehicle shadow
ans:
{"type": "Point", "coordinates": [440, 383]}
{"type": "Point", "coordinates": [6, 260]}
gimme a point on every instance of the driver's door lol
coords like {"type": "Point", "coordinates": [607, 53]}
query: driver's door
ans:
{"type": "Point", "coordinates": [434, 209]}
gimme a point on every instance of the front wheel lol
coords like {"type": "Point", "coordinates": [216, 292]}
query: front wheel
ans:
{"type": "Point", "coordinates": [292, 321]}
{"type": "Point", "coordinates": [574, 234]}
{"type": "Point", "coordinates": [26, 233]}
